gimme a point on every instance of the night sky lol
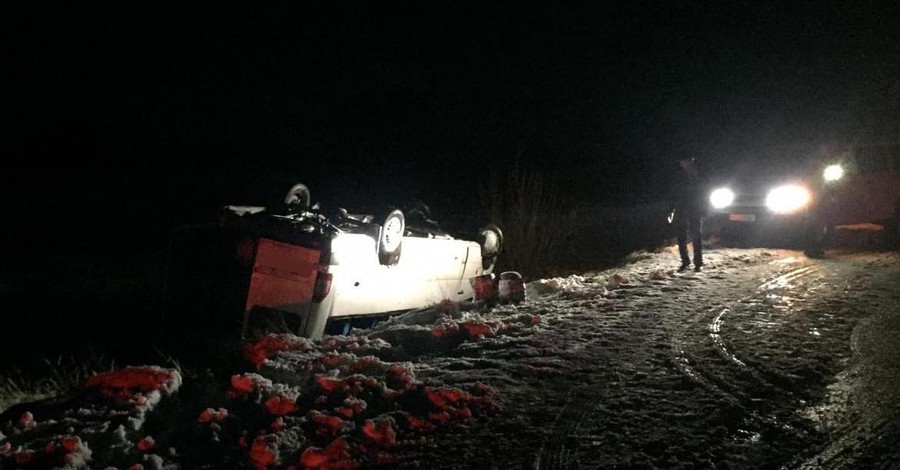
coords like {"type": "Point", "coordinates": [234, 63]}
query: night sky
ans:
{"type": "Point", "coordinates": [126, 120]}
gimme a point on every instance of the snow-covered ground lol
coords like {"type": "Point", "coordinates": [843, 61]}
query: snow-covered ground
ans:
{"type": "Point", "coordinates": [765, 359]}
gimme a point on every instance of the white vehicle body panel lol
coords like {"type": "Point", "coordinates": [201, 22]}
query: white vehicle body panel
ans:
{"type": "Point", "coordinates": [429, 271]}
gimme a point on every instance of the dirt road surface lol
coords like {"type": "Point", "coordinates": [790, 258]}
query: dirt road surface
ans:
{"type": "Point", "coordinates": [766, 359]}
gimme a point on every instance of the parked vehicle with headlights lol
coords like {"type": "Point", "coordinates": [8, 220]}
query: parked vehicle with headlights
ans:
{"type": "Point", "coordinates": [304, 269]}
{"type": "Point", "coordinates": [856, 188]}
{"type": "Point", "coordinates": [768, 205]}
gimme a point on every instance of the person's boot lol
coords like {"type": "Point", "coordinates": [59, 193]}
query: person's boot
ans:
{"type": "Point", "coordinates": [684, 265]}
{"type": "Point", "coordinates": [698, 264]}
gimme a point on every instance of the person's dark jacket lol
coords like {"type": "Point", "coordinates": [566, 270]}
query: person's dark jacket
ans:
{"type": "Point", "coordinates": [688, 195]}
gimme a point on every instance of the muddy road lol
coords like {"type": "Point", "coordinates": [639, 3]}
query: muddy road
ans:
{"type": "Point", "coordinates": [766, 359]}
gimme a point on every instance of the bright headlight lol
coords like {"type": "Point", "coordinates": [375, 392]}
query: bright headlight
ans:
{"type": "Point", "coordinates": [833, 173]}
{"type": "Point", "coordinates": [721, 198]}
{"type": "Point", "coordinates": [788, 198]}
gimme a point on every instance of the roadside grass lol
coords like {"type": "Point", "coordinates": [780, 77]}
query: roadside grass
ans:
{"type": "Point", "coordinates": [49, 378]}
{"type": "Point", "coordinates": [55, 377]}
{"type": "Point", "coordinates": [537, 219]}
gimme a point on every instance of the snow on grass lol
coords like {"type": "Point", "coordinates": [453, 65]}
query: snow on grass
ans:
{"type": "Point", "coordinates": [102, 420]}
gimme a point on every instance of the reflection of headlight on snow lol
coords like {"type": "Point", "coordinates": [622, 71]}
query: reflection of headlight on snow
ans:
{"type": "Point", "coordinates": [721, 198]}
{"type": "Point", "coordinates": [833, 173]}
{"type": "Point", "coordinates": [788, 198]}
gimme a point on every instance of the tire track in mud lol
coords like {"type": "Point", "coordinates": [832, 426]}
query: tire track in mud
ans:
{"type": "Point", "coordinates": [638, 379]}
{"type": "Point", "coordinates": [576, 438]}
{"type": "Point", "coordinates": [862, 410]}
{"type": "Point", "coordinates": [713, 321]}
{"type": "Point", "coordinates": [648, 334]}
{"type": "Point", "coordinates": [779, 282]}
{"type": "Point", "coordinates": [754, 383]}
{"type": "Point", "coordinates": [636, 372]}
{"type": "Point", "coordinates": [786, 344]}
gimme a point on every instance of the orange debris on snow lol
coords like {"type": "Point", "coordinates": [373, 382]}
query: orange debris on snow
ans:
{"type": "Point", "coordinates": [258, 351]}
{"type": "Point", "coordinates": [475, 329]}
{"type": "Point", "coordinates": [263, 452]}
{"type": "Point", "coordinates": [210, 414]}
{"type": "Point", "coordinates": [129, 381]}
{"type": "Point", "coordinates": [418, 424]}
{"type": "Point", "coordinates": [380, 432]}
{"type": "Point", "coordinates": [335, 456]}
{"type": "Point", "coordinates": [328, 425]}
{"type": "Point", "coordinates": [330, 384]}
{"type": "Point", "coordinates": [146, 444]}
{"type": "Point", "coordinates": [279, 405]}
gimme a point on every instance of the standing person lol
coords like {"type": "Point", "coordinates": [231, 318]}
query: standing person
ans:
{"type": "Point", "coordinates": [686, 210]}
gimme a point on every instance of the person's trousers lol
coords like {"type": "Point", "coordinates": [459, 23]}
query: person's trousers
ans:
{"type": "Point", "coordinates": [690, 225]}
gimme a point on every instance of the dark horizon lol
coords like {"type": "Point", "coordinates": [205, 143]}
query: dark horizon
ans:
{"type": "Point", "coordinates": [148, 118]}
